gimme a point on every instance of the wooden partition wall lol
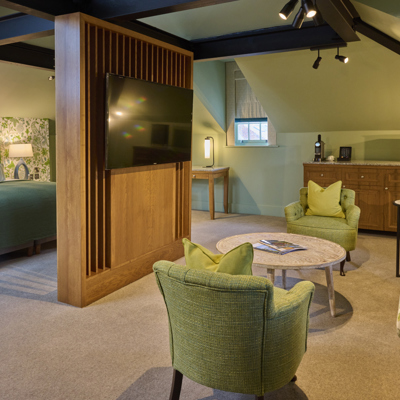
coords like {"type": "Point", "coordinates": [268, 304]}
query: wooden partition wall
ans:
{"type": "Point", "coordinates": [112, 225]}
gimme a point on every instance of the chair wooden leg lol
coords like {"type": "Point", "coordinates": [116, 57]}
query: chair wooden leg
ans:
{"type": "Point", "coordinates": [348, 258]}
{"type": "Point", "coordinates": [176, 385]}
{"type": "Point", "coordinates": [342, 268]}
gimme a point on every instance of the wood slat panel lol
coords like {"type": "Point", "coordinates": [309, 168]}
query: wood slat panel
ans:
{"type": "Point", "coordinates": [109, 242]}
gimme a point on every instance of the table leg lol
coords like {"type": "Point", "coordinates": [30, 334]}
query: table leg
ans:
{"type": "Point", "coordinates": [284, 278]}
{"type": "Point", "coordinates": [226, 190]}
{"type": "Point", "coordinates": [331, 290]}
{"type": "Point", "coordinates": [211, 195]}
{"type": "Point", "coordinates": [398, 240]}
{"type": "Point", "coordinates": [271, 275]}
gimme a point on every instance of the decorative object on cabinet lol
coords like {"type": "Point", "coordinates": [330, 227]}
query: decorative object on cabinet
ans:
{"type": "Point", "coordinates": [376, 183]}
{"type": "Point", "coordinates": [319, 150]}
{"type": "Point", "coordinates": [20, 151]}
{"type": "Point", "coordinates": [344, 154]}
{"type": "Point", "coordinates": [342, 231]}
{"type": "Point", "coordinates": [247, 308]}
{"type": "Point", "coordinates": [330, 158]}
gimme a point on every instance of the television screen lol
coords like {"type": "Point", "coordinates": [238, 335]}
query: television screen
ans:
{"type": "Point", "coordinates": [146, 123]}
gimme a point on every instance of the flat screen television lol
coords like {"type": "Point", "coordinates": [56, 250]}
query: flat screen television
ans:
{"type": "Point", "coordinates": [147, 123]}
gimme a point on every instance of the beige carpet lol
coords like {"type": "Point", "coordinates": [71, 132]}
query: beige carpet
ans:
{"type": "Point", "coordinates": [117, 348]}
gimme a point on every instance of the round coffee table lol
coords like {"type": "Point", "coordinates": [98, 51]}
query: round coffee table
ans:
{"type": "Point", "coordinates": [319, 253]}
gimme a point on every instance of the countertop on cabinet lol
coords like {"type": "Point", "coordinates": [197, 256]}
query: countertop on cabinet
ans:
{"type": "Point", "coordinates": [355, 162]}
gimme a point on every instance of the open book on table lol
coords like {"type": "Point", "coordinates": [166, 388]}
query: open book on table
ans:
{"type": "Point", "coordinates": [277, 246]}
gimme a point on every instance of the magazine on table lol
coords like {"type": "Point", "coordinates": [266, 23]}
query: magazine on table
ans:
{"type": "Point", "coordinates": [278, 246]}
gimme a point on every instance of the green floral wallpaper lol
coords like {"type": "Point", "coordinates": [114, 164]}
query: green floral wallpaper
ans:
{"type": "Point", "coordinates": [26, 130]}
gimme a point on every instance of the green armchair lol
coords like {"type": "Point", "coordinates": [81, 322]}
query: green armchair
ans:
{"type": "Point", "coordinates": [342, 231]}
{"type": "Point", "coordinates": [235, 333]}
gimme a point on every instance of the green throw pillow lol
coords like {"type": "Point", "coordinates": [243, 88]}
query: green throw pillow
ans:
{"type": "Point", "coordinates": [237, 261]}
{"type": "Point", "coordinates": [325, 202]}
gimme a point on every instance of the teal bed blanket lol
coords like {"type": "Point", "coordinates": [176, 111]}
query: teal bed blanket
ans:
{"type": "Point", "coordinates": [27, 212]}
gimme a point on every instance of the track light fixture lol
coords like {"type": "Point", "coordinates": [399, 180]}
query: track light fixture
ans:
{"type": "Point", "coordinates": [327, 47]}
{"type": "Point", "coordinates": [309, 8]}
{"type": "Point", "coordinates": [288, 9]}
{"type": "Point", "coordinates": [342, 59]}
{"type": "Point", "coordinates": [317, 61]}
{"type": "Point", "coordinates": [299, 18]}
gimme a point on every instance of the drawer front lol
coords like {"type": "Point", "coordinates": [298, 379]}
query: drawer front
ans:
{"type": "Point", "coordinates": [359, 177]}
{"type": "Point", "coordinates": [322, 175]}
{"type": "Point", "coordinates": [392, 177]}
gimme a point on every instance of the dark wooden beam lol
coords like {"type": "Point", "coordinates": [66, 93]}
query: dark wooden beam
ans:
{"type": "Point", "coordinates": [46, 9]}
{"type": "Point", "coordinates": [265, 41]}
{"type": "Point", "coordinates": [134, 9]}
{"type": "Point", "coordinates": [20, 27]}
{"type": "Point", "coordinates": [377, 35]}
{"type": "Point", "coordinates": [26, 54]}
{"type": "Point", "coordinates": [339, 17]}
{"type": "Point", "coordinates": [155, 33]}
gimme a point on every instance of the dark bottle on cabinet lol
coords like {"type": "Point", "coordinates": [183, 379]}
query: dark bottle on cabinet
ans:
{"type": "Point", "coordinates": [319, 150]}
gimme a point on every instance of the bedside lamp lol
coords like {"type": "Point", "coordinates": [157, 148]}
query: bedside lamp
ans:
{"type": "Point", "coordinates": [21, 150]}
{"type": "Point", "coordinates": [207, 149]}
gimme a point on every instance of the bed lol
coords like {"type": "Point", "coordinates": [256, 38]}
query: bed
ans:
{"type": "Point", "coordinates": [27, 215]}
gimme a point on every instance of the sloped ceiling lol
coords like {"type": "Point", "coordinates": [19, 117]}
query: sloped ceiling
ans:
{"type": "Point", "coordinates": [361, 95]}
{"type": "Point", "coordinates": [221, 19]}
{"type": "Point", "coordinates": [383, 21]}
{"type": "Point", "coordinates": [391, 7]}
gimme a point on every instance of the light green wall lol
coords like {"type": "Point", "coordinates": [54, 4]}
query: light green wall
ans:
{"type": "Point", "coordinates": [265, 180]}
{"type": "Point", "coordinates": [26, 92]}
{"type": "Point", "coordinates": [209, 86]}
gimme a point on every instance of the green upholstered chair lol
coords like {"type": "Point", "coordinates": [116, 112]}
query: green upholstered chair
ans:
{"type": "Point", "coordinates": [236, 333]}
{"type": "Point", "coordinates": [342, 231]}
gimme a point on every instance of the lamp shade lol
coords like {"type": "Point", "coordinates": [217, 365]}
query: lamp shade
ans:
{"type": "Point", "coordinates": [207, 148]}
{"type": "Point", "coordinates": [21, 150]}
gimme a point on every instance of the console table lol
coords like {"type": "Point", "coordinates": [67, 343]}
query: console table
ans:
{"type": "Point", "coordinates": [212, 173]}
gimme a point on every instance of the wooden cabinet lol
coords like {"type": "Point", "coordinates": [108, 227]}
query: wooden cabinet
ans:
{"type": "Point", "coordinates": [376, 187]}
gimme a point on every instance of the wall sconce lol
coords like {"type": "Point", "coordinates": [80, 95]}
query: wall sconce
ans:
{"type": "Point", "coordinates": [20, 150]}
{"type": "Point", "coordinates": [207, 150]}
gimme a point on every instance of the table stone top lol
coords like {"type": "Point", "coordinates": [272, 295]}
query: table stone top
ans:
{"type": "Point", "coordinates": [356, 162]}
{"type": "Point", "coordinates": [319, 253]}
{"type": "Point", "coordinates": [207, 169]}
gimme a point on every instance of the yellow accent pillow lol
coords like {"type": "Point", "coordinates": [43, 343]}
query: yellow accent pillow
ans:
{"type": "Point", "coordinates": [237, 261]}
{"type": "Point", "coordinates": [325, 202]}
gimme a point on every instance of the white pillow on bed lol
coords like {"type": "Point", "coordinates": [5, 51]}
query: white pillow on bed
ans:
{"type": "Point", "coordinates": [2, 177]}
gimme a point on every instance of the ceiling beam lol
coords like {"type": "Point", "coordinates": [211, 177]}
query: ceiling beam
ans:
{"type": "Point", "coordinates": [26, 54]}
{"type": "Point", "coordinates": [135, 9]}
{"type": "Point", "coordinates": [265, 41]}
{"type": "Point", "coordinates": [46, 9]}
{"type": "Point", "coordinates": [20, 27]}
{"type": "Point", "coordinates": [339, 18]}
{"type": "Point", "coordinates": [377, 35]}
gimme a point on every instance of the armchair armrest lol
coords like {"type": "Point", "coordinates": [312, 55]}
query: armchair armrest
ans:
{"type": "Point", "coordinates": [353, 215]}
{"type": "Point", "coordinates": [285, 302]}
{"type": "Point", "coordinates": [294, 211]}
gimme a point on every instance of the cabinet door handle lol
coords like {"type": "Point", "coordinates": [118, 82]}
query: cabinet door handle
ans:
{"type": "Point", "coordinates": [322, 174]}
{"type": "Point", "coordinates": [362, 176]}
{"type": "Point", "coordinates": [386, 188]}
{"type": "Point", "coordinates": [344, 186]}
{"type": "Point", "coordinates": [194, 176]}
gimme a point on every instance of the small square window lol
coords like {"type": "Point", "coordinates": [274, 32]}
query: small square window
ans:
{"type": "Point", "coordinates": [251, 132]}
